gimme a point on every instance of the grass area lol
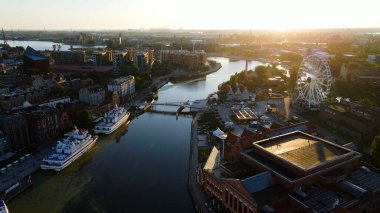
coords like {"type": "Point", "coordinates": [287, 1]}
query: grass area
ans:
{"type": "Point", "coordinates": [209, 122]}
{"type": "Point", "coordinates": [362, 145]}
{"type": "Point", "coordinates": [203, 155]}
{"type": "Point", "coordinates": [314, 118]}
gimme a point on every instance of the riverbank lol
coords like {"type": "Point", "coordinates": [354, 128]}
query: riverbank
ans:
{"type": "Point", "coordinates": [131, 164]}
{"type": "Point", "coordinates": [189, 76]}
{"type": "Point", "coordinates": [237, 58]}
{"type": "Point", "coordinates": [196, 193]}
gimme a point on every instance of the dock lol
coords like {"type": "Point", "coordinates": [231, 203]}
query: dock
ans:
{"type": "Point", "coordinates": [15, 177]}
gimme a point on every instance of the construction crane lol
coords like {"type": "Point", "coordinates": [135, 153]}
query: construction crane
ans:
{"type": "Point", "coordinates": [5, 41]}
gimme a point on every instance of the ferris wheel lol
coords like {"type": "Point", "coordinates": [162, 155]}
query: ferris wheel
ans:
{"type": "Point", "coordinates": [313, 81]}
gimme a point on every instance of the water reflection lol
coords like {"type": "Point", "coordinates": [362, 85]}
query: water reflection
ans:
{"type": "Point", "coordinates": [140, 168]}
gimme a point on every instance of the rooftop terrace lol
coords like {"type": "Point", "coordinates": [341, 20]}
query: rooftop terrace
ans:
{"type": "Point", "coordinates": [301, 150]}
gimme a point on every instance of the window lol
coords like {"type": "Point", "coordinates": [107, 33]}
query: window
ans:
{"type": "Point", "coordinates": [250, 211]}
{"type": "Point", "coordinates": [240, 206]}
{"type": "Point", "coordinates": [245, 208]}
{"type": "Point", "coordinates": [226, 196]}
{"type": "Point", "coordinates": [235, 204]}
{"type": "Point", "coordinates": [231, 200]}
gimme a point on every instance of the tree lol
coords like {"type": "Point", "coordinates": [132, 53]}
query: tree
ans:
{"type": "Point", "coordinates": [290, 56]}
{"type": "Point", "coordinates": [292, 83]}
{"type": "Point", "coordinates": [367, 102]}
{"type": "Point", "coordinates": [260, 70]}
{"type": "Point", "coordinates": [212, 63]}
{"type": "Point", "coordinates": [335, 64]}
{"type": "Point", "coordinates": [83, 120]}
{"type": "Point", "coordinates": [375, 151]}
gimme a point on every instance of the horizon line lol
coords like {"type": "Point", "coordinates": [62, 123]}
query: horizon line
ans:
{"type": "Point", "coordinates": [195, 29]}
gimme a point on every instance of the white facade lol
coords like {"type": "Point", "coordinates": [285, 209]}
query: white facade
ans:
{"type": "Point", "coordinates": [53, 103]}
{"type": "Point", "coordinates": [245, 94]}
{"type": "Point", "coordinates": [124, 86]}
{"type": "Point", "coordinates": [238, 95]}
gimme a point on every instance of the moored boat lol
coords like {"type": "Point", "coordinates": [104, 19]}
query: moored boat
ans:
{"type": "Point", "coordinates": [112, 120]}
{"type": "Point", "coordinates": [70, 148]}
{"type": "Point", "coordinates": [3, 207]}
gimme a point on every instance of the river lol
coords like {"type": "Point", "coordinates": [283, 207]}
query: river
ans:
{"type": "Point", "coordinates": [142, 167]}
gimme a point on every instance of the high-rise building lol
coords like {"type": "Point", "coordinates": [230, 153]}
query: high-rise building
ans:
{"type": "Point", "coordinates": [102, 58]}
{"type": "Point", "coordinates": [118, 59]}
{"type": "Point", "coordinates": [141, 59]}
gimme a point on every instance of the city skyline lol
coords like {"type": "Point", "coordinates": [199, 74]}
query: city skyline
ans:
{"type": "Point", "coordinates": [202, 15]}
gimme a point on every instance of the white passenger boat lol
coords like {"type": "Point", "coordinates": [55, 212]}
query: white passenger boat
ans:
{"type": "Point", "coordinates": [112, 120]}
{"type": "Point", "coordinates": [3, 207]}
{"type": "Point", "coordinates": [70, 148]}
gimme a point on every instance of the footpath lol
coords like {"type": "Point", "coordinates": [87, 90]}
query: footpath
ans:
{"type": "Point", "coordinates": [196, 193]}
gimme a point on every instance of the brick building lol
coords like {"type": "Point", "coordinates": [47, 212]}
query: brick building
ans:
{"type": "Point", "coordinates": [69, 57]}
{"type": "Point", "coordinates": [184, 58]}
{"type": "Point", "coordinates": [359, 121]}
{"type": "Point", "coordinates": [43, 123]}
{"type": "Point", "coordinates": [235, 144]}
{"type": "Point", "coordinates": [15, 129]}
{"type": "Point", "coordinates": [67, 112]}
{"type": "Point", "coordinates": [293, 172]}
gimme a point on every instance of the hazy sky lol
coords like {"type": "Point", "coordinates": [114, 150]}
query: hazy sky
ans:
{"type": "Point", "coordinates": [195, 14]}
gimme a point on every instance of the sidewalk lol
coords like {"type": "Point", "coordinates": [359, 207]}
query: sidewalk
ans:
{"type": "Point", "coordinates": [196, 193]}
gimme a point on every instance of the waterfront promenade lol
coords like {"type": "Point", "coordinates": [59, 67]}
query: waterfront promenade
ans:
{"type": "Point", "coordinates": [15, 179]}
{"type": "Point", "coordinates": [197, 195]}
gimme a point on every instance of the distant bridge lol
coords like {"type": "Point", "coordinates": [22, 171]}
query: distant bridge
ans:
{"type": "Point", "coordinates": [184, 104]}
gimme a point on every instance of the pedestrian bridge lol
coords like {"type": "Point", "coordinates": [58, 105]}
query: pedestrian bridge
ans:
{"type": "Point", "coordinates": [197, 105]}
{"type": "Point", "coordinates": [177, 104]}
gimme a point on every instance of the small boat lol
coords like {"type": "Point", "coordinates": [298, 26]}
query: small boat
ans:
{"type": "Point", "coordinates": [3, 207]}
{"type": "Point", "coordinates": [145, 107]}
